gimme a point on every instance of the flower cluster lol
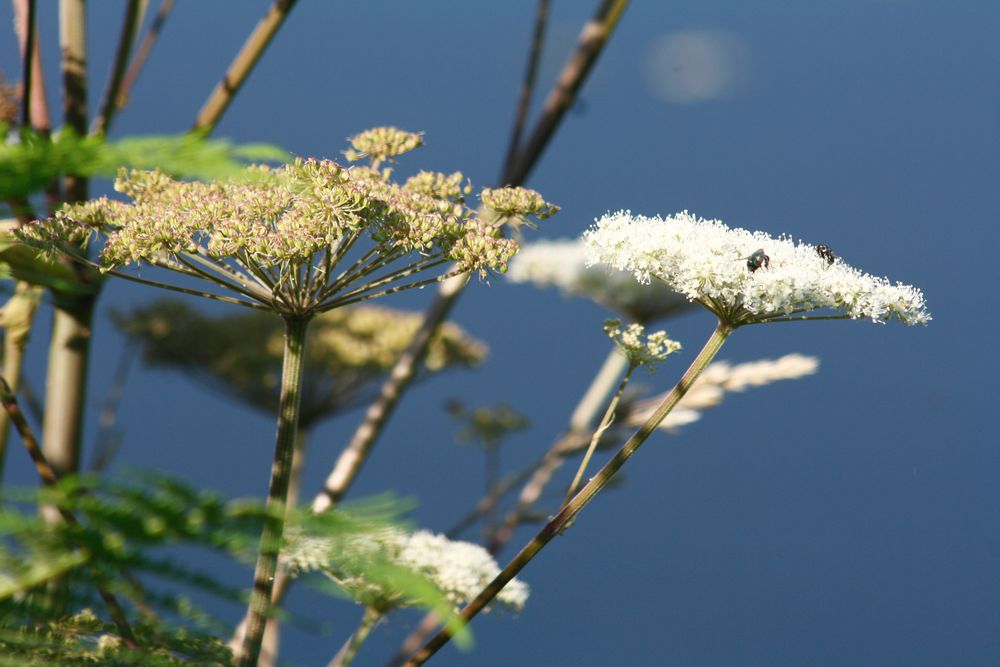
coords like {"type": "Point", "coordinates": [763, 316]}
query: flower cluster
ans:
{"type": "Point", "coordinates": [510, 202]}
{"type": "Point", "coordinates": [563, 264]}
{"type": "Point", "coordinates": [382, 143]}
{"type": "Point", "coordinates": [641, 349]}
{"type": "Point", "coordinates": [444, 186]}
{"type": "Point", "coordinates": [347, 351]}
{"type": "Point", "coordinates": [510, 206]}
{"type": "Point", "coordinates": [278, 237]}
{"type": "Point", "coordinates": [460, 570]}
{"type": "Point", "coordinates": [746, 277]}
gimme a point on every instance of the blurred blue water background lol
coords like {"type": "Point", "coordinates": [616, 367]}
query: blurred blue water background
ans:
{"type": "Point", "coordinates": [851, 518]}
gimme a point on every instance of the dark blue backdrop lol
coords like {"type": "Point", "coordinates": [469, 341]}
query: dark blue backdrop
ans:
{"type": "Point", "coordinates": [849, 518]}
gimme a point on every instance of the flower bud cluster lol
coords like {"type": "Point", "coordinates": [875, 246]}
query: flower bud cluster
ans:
{"type": "Point", "coordinates": [460, 570]}
{"type": "Point", "coordinates": [382, 143]}
{"type": "Point", "coordinates": [275, 236]}
{"type": "Point", "coordinates": [516, 202]}
{"type": "Point", "coordinates": [640, 348]}
{"type": "Point", "coordinates": [443, 186]}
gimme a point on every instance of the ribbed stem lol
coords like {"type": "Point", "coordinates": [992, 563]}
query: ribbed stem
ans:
{"type": "Point", "coordinates": [281, 472]}
{"type": "Point", "coordinates": [609, 415]}
{"type": "Point", "coordinates": [346, 654]}
{"type": "Point", "coordinates": [569, 511]}
{"type": "Point", "coordinates": [66, 385]}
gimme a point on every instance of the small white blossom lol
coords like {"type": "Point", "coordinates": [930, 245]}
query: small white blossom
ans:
{"type": "Point", "coordinates": [707, 261]}
{"type": "Point", "coordinates": [563, 264]}
{"type": "Point", "coordinates": [460, 570]}
{"type": "Point", "coordinates": [640, 348]}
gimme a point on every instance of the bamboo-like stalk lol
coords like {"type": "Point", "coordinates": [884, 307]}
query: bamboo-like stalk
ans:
{"type": "Point", "coordinates": [130, 25]}
{"type": "Point", "coordinates": [590, 45]}
{"type": "Point", "coordinates": [527, 87]}
{"type": "Point", "coordinates": [69, 347]}
{"type": "Point", "coordinates": [26, 11]}
{"type": "Point", "coordinates": [241, 66]}
{"type": "Point", "coordinates": [277, 496]}
{"type": "Point", "coordinates": [142, 54]}
{"type": "Point", "coordinates": [73, 43]}
{"type": "Point", "coordinates": [570, 510]}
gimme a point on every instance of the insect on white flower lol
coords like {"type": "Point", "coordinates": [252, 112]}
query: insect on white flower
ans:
{"type": "Point", "coordinates": [695, 257]}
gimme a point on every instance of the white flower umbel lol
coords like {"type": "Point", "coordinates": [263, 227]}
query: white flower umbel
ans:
{"type": "Point", "coordinates": [458, 569]}
{"type": "Point", "coordinates": [744, 278]}
{"type": "Point", "coordinates": [563, 264]}
{"type": "Point", "coordinates": [708, 262]}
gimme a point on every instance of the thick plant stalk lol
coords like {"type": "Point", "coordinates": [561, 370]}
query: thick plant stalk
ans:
{"type": "Point", "coordinates": [69, 347]}
{"type": "Point", "coordinates": [66, 382]}
{"type": "Point", "coordinates": [569, 511]}
{"type": "Point", "coordinates": [272, 632]}
{"type": "Point", "coordinates": [277, 496]}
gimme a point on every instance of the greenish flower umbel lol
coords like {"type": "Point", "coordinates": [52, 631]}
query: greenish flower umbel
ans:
{"type": "Point", "coordinates": [347, 351]}
{"type": "Point", "coordinates": [299, 240]}
{"type": "Point", "coordinates": [292, 239]}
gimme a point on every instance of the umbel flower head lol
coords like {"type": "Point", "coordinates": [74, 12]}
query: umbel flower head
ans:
{"type": "Point", "coordinates": [563, 264]}
{"type": "Point", "coordinates": [292, 239]}
{"type": "Point", "coordinates": [640, 348]}
{"type": "Point", "coordinates": [348, 350]}
{"type": "Point", "coordinates": [746, 277]}
{"type": "Point", "coordinates": [458, 569]}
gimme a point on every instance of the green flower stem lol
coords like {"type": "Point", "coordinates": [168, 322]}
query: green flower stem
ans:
{"type": "Point", "coordinates": [609, 415]}
{"type": "Point", "coordinates": [558, 523]}
{"type": "Point", "coordinates": [346, 654]}
{"type": "Point", "coordinates": [272, 632]}
{"type": "Point", "coordinates": [281, 471]}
